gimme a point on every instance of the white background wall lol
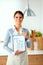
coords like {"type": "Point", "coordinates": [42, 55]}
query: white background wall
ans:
{"type": "Point", "coordinates": [41, 26]}
{"type": "Point", "coordinates": [7, 9]}
{"type": "Point", "coordinates": [34, 21]}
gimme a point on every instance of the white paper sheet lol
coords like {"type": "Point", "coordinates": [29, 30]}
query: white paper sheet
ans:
{"type": "Point", "coordinates": [19, 43]}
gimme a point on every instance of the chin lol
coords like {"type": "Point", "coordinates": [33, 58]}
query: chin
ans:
{"type": "Point", "coordinates": [18, 24]}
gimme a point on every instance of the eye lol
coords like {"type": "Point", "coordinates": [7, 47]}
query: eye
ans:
{"type": "Point", "coordinates": [20, 17]}
{"type": "Point", "coordinates": [16, 17]}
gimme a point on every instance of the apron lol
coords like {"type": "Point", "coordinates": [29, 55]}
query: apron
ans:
{"type": "Point", "coordinates": [21, 59]}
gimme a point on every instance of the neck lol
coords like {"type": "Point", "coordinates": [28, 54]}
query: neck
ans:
{"type": "Point", "coordinates": [17, 27]}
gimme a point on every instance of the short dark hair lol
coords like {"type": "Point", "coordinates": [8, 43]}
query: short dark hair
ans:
{"type": "Point", "coordinates": [20, 12]}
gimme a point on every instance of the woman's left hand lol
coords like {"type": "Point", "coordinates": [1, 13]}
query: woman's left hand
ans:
{"type": "Point", "coordinates": [25, 35]}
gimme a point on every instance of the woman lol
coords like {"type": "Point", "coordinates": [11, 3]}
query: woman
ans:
{"type": "Point", "coordinates": [17, 57]}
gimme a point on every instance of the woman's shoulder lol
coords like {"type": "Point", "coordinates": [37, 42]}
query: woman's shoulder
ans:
{"type": "Point", "coordinates": [25, 29]}
{"type": "Point", "coordinates": [10, 30]}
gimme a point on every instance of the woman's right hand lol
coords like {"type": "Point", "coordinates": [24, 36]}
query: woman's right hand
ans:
{"type": "Point", "coordinates": [18, 52]}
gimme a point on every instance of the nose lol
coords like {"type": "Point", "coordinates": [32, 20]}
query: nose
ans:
{"type": "Point", "coordinates": [18, 18]}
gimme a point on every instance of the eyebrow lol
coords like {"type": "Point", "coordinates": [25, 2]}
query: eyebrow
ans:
{"type": "Point", "coordinates": [19, 17]}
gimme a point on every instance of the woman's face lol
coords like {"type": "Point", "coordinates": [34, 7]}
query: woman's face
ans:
{"type": "Point", "coordinates": [18, 19]}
